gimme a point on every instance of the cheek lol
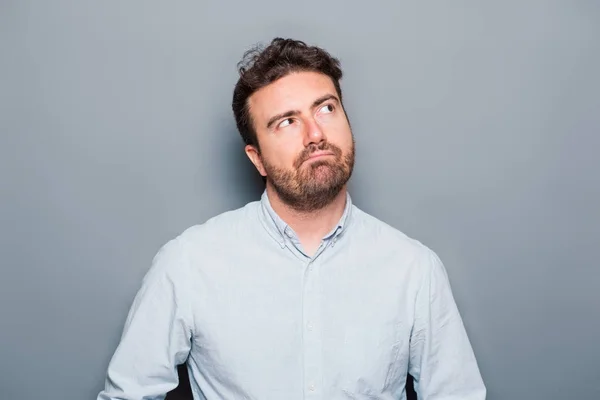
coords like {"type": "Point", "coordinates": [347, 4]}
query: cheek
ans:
{"type": "Point", "coordinates": [339, 133]}
{"type": "Point", "coordinates": [283, 156]}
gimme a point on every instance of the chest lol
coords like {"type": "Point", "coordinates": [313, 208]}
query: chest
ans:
{"type": "Point", "coordinates": [340, 319]}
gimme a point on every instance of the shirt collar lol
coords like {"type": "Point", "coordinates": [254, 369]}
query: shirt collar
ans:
{"type": "Point", "coordinates": [279, 229]}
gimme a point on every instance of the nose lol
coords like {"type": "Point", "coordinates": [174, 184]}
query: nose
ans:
{"type": "Point", "coordinates": [314, 132]}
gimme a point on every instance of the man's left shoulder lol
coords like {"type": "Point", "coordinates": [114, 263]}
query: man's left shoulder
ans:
{"type": "Point", "coordinates": [386, 237]}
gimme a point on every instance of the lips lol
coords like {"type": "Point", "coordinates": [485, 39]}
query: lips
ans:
{"type": "Point", "coordinates": [319, 154]}
{"type": "Point", "coordinates": [315, 152]}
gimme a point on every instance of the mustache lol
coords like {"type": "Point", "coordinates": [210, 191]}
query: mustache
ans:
{"type": "Point", "coordinates": [323, 146]}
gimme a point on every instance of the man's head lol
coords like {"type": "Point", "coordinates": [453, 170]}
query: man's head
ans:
{"type": "Point", "coordinates": [288, 109]}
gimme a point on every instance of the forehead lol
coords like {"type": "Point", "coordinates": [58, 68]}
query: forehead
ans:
{"type": "Point", "coordinates": [296, 91]}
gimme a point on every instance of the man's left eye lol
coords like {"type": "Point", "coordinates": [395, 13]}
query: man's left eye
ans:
{"type": "Point", "coordinates": [327, 108]}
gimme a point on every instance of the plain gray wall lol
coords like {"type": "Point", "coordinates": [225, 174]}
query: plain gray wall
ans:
{"type": "Point", "coordinates": [477, 127]}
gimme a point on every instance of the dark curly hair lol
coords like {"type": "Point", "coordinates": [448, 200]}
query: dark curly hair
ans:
{"type": "Point", "coordinates": [261, 66]}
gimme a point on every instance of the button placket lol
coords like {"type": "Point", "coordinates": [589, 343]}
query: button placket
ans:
{"type": "Point", "coordinates": [311, 332]}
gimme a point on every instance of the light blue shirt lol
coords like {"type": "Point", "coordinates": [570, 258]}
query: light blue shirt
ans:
{"type": "Point", "coordinates": [255, 318]}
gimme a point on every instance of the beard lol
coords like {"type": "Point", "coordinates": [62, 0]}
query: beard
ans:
{"type": "Point", "coordinates": [313, 185]}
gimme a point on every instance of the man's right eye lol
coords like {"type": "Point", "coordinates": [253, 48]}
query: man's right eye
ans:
{"type": "Point", "coordinates": [285, 122]}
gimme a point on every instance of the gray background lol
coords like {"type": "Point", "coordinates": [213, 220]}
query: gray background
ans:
{"type": "Point", "coordinates": [477, 133]}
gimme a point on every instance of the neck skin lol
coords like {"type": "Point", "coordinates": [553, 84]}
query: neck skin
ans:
{"type": "Point", "coordinates": [312, 226]}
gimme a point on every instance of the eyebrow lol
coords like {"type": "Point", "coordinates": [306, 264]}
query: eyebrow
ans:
{"type": "Point", "coordinates": [292, 113]}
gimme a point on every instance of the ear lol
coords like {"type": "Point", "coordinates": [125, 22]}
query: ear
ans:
{"type": "Point", "coordinates": [254, 156]}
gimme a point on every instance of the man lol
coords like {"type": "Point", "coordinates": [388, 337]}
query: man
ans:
{"type": "Point", "coordinates": [300, 295]}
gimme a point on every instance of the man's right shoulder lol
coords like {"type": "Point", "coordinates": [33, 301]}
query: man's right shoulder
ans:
{"type": "Point", "coordinates": [221, 227]}
{"type": "Point", "coordinates": [201, 242]}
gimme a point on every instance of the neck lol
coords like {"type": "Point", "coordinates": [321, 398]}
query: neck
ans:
{"type": "Point", "coordinates": [309, 226]}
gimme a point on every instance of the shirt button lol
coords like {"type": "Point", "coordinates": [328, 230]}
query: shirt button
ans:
{"type": "Point", "coordinates": [311, 387]}
{"type": "Point", "coordinates": [310, 326]}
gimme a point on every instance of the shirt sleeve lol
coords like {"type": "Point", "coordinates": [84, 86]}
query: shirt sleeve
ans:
{"type": "Point", "coordinates": [157, 333]}
{"type": "Point", "coordinates": [442, 362]}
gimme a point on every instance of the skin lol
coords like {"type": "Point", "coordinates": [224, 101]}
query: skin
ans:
{"type": "Point", "coordinates": [306, 152]}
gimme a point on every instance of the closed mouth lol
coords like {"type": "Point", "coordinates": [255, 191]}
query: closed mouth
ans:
{"type": "Point", "coordinates": [320, 154]}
